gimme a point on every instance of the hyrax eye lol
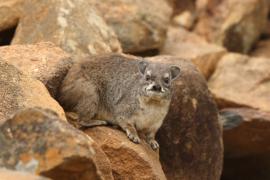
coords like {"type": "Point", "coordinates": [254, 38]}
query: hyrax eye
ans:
{"type": "Point", "coordinates": [166, 80]}
{"type": "Point", "coordinates": [147, 77]}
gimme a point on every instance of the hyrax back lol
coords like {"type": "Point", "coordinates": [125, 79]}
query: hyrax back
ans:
{"type": "Point", "coordinates": [120, 90]}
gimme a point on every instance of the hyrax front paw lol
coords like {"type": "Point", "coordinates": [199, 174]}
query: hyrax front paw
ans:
{"type": "Point", "coordinates": [133, 137]}
{"type": "Point", "coordinates": [153, 143]}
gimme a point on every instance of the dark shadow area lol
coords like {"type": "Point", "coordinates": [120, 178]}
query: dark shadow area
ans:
{"type": "Point", "coordinates": [246, 168]}
{"type": "Point", "coordinates": [7, 35]}
{"type": "Point", "coordinates": [147, 53]}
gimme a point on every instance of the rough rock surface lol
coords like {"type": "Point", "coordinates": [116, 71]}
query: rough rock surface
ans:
{"type": "Point", "coordinates": [247, 146]}
{"type": "Point", "coordinates": [43, 61]}
{"type": "Point", "coordinates": [6, 174]}
{"type": "Point", "coordinates": [188, 45]}
{"type": "Point", "coordinates": [73, 25]}
{"type": "Point", "coordinates": [139, 24]}
{"type": "Point", "coordinates": [128, 160]}
{"type": "Point", "coordinates": [232, 23]}
{"type": "Point", "coordinates": [240, 80]}
{"type": "Point", "coordinates": [18, 91]}
{"type": "Point", "coordinates": [36, 141]}
{"type": "Point", "coordinates": [190, 138]}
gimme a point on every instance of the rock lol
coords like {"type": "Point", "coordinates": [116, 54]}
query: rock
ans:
{"type": "Point", "coordinates": [247, 146]}
{"type": "Point", "coordinates": [73, 25]}
{"type": "Point", "coordinates": [36, 141]}
{"type": "Point", "coordinates": [128, 160]}
{"type": "Point", "coordinates": [19, 91]}
{"type": "Point", "coordinates": [234, 24]}
{"type": "Point", "coordinates": [9, 13]}
{"type": "Point", "coordinates": [140, 25]}
{"type": "Point", "coordinates": [15, 175]}
{"type": "Point", "coordinates": [251, 136]}
{"type": "Point", "coordinates": [188, 45]}
{"type": "Point", "coordinates": [190, 138]}
{"type": "Point", "coordinates": [240, 80]}
{"type": "Point", "coordinates": [185, 19]}
{"type": "Point", "coordinates": [261, 49]}
{"type": "Point", "coordinates": [44, 61]}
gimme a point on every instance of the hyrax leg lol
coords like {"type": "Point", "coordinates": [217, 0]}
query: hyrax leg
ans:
{"type": "Point", "coordinates": [150, 139]}
{"type": "Point", "coordinates": [130, 131]}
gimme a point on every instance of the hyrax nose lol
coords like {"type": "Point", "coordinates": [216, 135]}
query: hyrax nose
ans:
{"type": "Point", "coordinates": [156, 87]}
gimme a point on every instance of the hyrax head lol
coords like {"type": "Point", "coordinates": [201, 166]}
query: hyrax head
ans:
{"type": "Point", "coordinates": [157, 79]}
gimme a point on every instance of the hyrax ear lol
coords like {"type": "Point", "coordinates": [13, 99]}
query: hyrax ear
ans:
{"type": "Point", "coordinates": [175, 72]}
{"type": "Point", "coordinates": [142, 66]}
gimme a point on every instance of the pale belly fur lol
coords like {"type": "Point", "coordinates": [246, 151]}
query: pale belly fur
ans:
{"type": "Point", "coordinates": [150, 116]}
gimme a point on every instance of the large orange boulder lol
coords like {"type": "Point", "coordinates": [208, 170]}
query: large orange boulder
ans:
{"type": "Point", "coordinates": [43, 61]}
{"type": "Point", "coordinates": [73, 25]}
{"type": "Point", "coordinates": [128, 160]}
{"type": "Point", "coordinates": [241, 80]}
{"type": "Point", "coordinates": [19, 91]}
{"type": "Point", "coordinates": [35, 140]}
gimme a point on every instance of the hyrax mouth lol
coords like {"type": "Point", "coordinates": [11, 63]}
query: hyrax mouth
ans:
{"type": "Point", "coordinates": [154, 94]}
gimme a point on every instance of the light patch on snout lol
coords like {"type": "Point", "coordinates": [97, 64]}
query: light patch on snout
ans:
{"type": "Point", "coordinates": [162, 90]}
{"type": "Point", "coordinates": [150, 86]}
